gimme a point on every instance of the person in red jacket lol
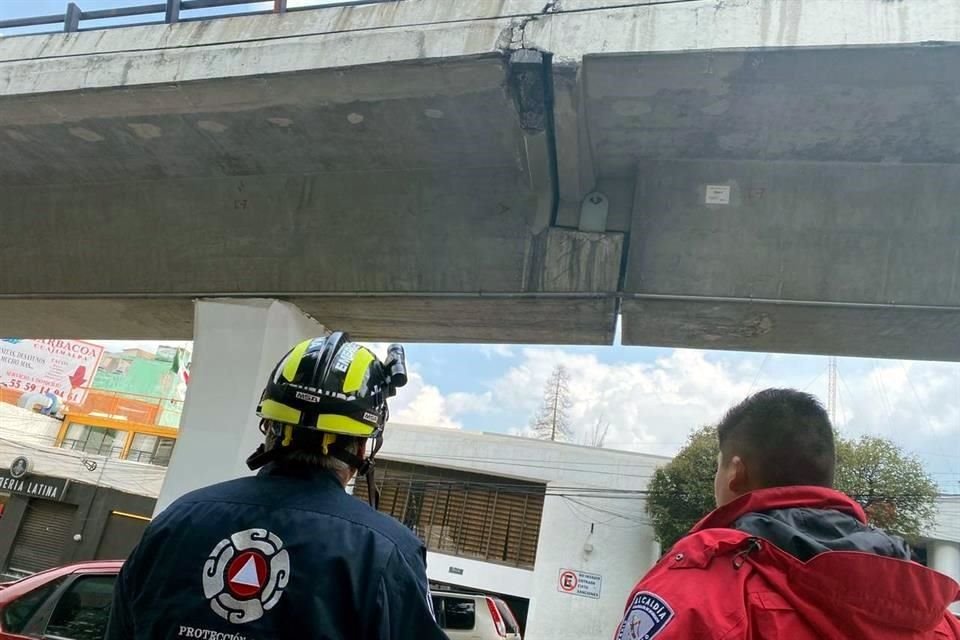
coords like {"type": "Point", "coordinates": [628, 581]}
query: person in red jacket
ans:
{"type": "Point", "coordinates": [784, 555]}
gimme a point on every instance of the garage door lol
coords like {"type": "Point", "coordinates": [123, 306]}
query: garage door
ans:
{"type": "Point", "coordinates": [120, 536]}
{"type": "Point", "coordinates": [43, 535]}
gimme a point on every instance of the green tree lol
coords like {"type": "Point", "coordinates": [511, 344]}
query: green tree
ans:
{"type": "Point", "coordinates": [890, 484]}
{"type": "Point", "coordinates": [681, 492]}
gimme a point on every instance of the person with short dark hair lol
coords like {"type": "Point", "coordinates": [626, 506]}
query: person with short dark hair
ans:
{"type": "Point", "coordinates": [288, 554]}
{"type": "Point", "coordinates": [786, 435]}
{"type": "Point", "coordinates": [784, 555]}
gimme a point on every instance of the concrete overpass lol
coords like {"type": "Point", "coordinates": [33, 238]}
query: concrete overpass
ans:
{"type": "Point", "coordinates": [780, 174]}
{"type": "Point", "coordinates": [745, 174]}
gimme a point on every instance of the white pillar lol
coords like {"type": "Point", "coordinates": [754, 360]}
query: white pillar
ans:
{"type": "Point", "coordinates": [236, 345]}
{"type": "Point", "coordinates": [944, 557]}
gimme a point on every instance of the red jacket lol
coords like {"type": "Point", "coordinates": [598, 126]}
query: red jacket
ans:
{"type": "Point", "coordinates": [830, 576]}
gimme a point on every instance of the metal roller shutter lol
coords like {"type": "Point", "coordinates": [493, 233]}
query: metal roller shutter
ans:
{"type": "Point", "coordinates": [42, 537]}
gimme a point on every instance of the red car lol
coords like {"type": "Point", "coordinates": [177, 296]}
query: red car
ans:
{"type": "Point", "coordinates": [67, 603]}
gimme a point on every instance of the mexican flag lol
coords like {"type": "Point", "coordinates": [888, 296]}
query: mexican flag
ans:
{"type": "Point", "coordinates": [180, 366]}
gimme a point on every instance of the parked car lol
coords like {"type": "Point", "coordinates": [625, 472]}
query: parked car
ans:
{"type": "Point", "coordinates": [465, 616]}
{"type": "Point", "coordinates": [67, 603]}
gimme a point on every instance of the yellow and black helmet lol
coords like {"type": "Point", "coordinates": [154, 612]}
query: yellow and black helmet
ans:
{"type": "Point", "coordinates": [330, 385]}
{"type": "Point", "coordinates": [334, 385]}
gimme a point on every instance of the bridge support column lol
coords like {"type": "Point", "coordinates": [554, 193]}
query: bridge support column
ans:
{"type": "Point", "coordinates": [236, 345]}
{"type": "Point", "coordinates": [944, 557]}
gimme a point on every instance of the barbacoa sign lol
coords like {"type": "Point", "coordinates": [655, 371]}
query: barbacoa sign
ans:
{"type": "Point", "coordinates": [579, 583]}
{"type": "Point", "coordinates": [60, 367]}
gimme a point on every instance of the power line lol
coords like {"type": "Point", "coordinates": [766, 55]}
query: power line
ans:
{"type": "Point", "coordinates": [812, 382]}
{"type": "Point", "coordinates": [763, 362]}
{"type": "Point", "coordinates": [883, 387]}
{"type": "Point", "coordinates": [920, 405]}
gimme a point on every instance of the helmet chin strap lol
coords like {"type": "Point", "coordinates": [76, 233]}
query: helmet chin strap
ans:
{"type": "Point", "coordinates": [366, 467]}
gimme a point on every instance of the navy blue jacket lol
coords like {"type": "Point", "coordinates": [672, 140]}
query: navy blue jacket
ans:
{"type": "Point", "coordinates": [282, 555]}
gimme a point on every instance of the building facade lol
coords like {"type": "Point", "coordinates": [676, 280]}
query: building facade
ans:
{"type": "Point", "coordinates": [61, 503]}
{"type": "Point", "coordinates": [559, 530]}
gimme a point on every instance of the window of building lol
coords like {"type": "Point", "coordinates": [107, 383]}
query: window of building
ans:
{"type": "Point", "coordinates": [151, 449]}
{"type": "Point", "coordinates": [82, 612]}
{"type": "Point", "coordinates": [464, 514]}
{"type": "Point", "coordinates": [95, 440]}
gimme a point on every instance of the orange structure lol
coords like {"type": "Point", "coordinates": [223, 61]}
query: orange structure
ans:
{"type": "Point", "coordinates": [114, 424]}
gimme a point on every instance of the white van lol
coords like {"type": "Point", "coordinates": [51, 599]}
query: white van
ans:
{"type": "Point", "coordinates": [465, 616]}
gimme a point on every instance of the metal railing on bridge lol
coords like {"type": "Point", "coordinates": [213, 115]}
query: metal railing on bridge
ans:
{"type": "Point", "coordinates": [168, 11]}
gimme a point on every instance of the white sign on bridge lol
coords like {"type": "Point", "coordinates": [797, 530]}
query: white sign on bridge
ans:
{"type": "Point", "coordinates": [579, 583]}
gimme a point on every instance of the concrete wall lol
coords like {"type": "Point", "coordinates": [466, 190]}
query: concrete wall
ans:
{"type": "Point", "coordinates": [611, 538]}
{"type": "Point", "coordinates": [485, 576]}
{"type": "Point", "coordinates": [287, 234]}
{"type": "Point", "coordinates": [945, 558]}
{"type": "Point", "coordinates": [654, 26]}
{"type": "Point", "coordinates": [220, 427]}
{"type": "Point", "coordinates": [620, 539]}
{"type": "Point", "coordinates": [27, 427]}
{"type": "Point", "coordinates": [839, 232]}
{"type": "Point", "coordinates": [947, 526]}
{"type": "Point", "coordinates": [376, 150]}
{"type": "Point", "coordinates": [130, 477]}
{"type": "Point", "coordinates": [867, 234]}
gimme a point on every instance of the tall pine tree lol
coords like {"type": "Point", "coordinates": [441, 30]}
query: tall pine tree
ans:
{"type": "Point", "coordinates": [552, 422]}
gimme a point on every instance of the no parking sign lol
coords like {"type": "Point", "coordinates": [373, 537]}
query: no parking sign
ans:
{"type": "Point", "coordinates": [579, 583]}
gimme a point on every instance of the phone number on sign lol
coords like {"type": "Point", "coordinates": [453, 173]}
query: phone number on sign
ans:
{"type": "Point", "coordinates": [30, 387]}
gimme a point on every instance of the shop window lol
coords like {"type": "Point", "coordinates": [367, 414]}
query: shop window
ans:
{"type": "Point", "coordinates": [82, 612]}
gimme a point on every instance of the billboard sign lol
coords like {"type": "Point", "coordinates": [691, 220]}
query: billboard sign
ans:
{"type": "Point", "coordinates": [63, 368]}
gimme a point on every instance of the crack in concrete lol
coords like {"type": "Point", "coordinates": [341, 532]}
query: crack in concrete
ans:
{"type": "Point", "coordinates": [518, 37]}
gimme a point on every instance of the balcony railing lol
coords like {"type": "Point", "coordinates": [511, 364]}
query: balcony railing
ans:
{"type": "Point", "coordinates": [130, 406]}
{"type": "Point", "coordinates": [168, 11]}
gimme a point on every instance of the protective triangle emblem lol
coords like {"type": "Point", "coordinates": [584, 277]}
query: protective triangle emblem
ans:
{"type": "Point", "coordinates": [248, 574]}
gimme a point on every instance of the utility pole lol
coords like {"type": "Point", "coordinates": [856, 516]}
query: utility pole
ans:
{"type": "Point", "coordinates": [832, 389]}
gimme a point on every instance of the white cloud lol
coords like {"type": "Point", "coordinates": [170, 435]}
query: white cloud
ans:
{"type": "Point", "coordinates": [421, 403]}
{"type": "Point", "coordinates": [460, 403]}
{"type": "Point", "coordinates": [652, 407]}
{"type": "Point", "coordinates": [498, 350]}
{"type": "Point", "coordinates": [902, 400]}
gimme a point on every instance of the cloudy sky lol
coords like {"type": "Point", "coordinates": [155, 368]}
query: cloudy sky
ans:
{"type": "Point", "coordinates": [652, 398]}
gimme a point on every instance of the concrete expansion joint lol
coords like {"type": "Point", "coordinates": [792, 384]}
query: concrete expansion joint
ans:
{"type": "Point", "coordinates": [527, 84]}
